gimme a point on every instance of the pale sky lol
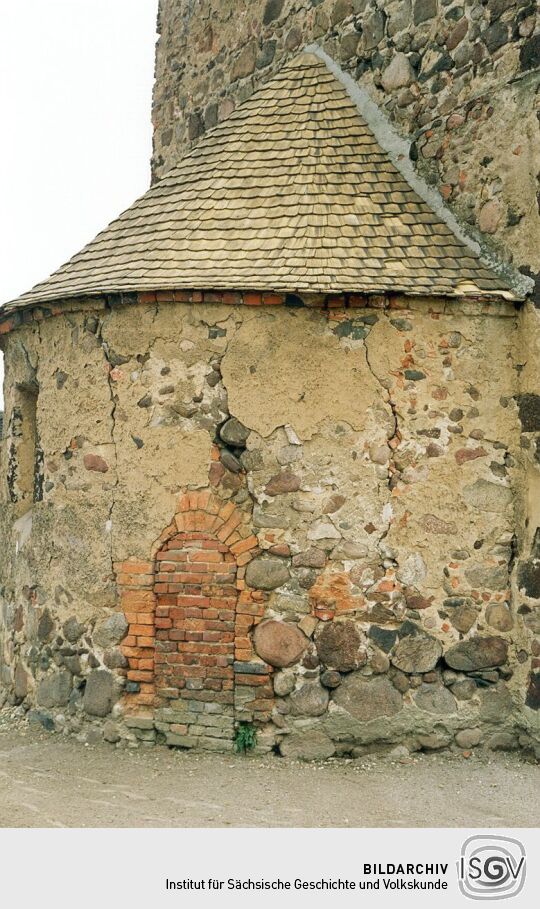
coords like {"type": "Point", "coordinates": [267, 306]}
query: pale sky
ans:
{"type": "Point", "coordinates": [75, 107]}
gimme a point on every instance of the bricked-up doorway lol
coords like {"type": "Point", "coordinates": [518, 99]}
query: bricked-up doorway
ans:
{"type": "Point", "coordinates": [196, 597]}
{"type": "Point", "coordinates": [192, 672]}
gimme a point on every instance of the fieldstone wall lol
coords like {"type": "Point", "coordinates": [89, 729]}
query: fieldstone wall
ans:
{"type": "Point", "coordinates": [459, 79]}
{"type": "Point", "coordinates": [370, 492]}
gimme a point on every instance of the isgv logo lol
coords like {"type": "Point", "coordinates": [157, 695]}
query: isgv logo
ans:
{"type": "Point", "coordinates": [491, 867]}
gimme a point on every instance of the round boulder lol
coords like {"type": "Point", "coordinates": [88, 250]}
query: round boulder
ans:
{"type": "Point", "coordinates": [477, 653]}
{"type": "Point", "coordinates": [339, 647]}
{"type": "Point", "coordinates": [499, 616]}
{"type": "Point", "coordinates": [54, 690]}
{"type": "Point", "coordinates": [464, 690]}
{"type": "Point", "coordinates": [435, 699]}
{"type": "Point", "coordinates": [111, 631]}
{"type": "Point", "coordinates": [311, 699]}
{"type": "Point", "coordinates": [234, 433]}
{"type": "Point", "coordinates": [496, 703]}
{"type": "Point", "coordinates": [367, 699]}
{"type": "Point", "coordinates": [20, 682]}
{"type": "Point", "coordinates": [266, 574]}
{"type": "Point", "coordinates": [284, 683]}
{"type": "Point", "coordinates": [99, 693]}
{"type": "Point", "coordinates": [73, 630]}
{"type": "Point", "coordinates": [468, 738]}
{"type": "Point", "coordinates": [417, 653]}
{"type": "Point", "coordinates": [308, 745]}
{"type": "Point", "coordinates": [279, 643]}
{"type": "Point", "coordinates": [331, 678]}
{"type": "Point", "coordinates": [463, 617]}
{"type": "Point", "coordinates": [379, 662]}
{"type": "Point", "coordinates": [111, 733]}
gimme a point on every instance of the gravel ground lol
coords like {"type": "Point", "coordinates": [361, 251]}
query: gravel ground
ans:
{"type": "Point", "coordinates": [49, 780]}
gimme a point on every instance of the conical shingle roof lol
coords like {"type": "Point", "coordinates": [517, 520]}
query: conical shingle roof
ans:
{"type": "Point", "coordinates": [291, 193]}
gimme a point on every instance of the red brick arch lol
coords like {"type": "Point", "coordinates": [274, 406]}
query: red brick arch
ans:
{"type": "Point", "coordinates": [206, 630]}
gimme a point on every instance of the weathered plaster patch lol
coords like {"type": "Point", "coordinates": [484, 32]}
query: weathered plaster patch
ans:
{"type": "Point", "coordinates": [359, 454]}
{"type": "Point", "coordinates": [79, 405]}
{"type": "Point", "coordinates": [152, 478]}
{"type": "Point", "coordinates": [288, 369]}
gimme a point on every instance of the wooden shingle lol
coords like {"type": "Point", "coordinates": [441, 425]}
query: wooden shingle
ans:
{"type": "Point", "coordinates": [291, 193]}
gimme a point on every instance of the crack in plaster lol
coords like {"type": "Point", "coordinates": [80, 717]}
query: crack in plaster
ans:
{"type": "Point", "coordinates": [395, 436]}
{"type": "Point", "coordinates": [114, 404]}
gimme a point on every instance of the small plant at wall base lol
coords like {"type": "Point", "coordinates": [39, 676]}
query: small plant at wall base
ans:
{"type": "Point", "coordinates": [246, 738]}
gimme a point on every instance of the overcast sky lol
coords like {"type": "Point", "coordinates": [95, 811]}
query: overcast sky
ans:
{"type": "Point", "coordinates": [75, 106]}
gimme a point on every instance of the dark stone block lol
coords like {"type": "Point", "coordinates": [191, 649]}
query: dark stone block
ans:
{"type": "Point", "coordinates": [331, 678]}
{"type": "Point", "coordinates": [350, 328]}
{"type": "Point", "coordinates": [528, 577]}
{"type": "Point", "coordinates": [54, 690]}
{"type": "Point", "coordinates": [195, 125]}
{"type": "Point", "coordinates": [38, 718]}
{"type": "Point", "coordinates": [338, 646]}
{"type": "Point", "coordinates": [266, 55]}
{"type": "Point", "coordinates": [233, 432]}
{"type": "Point", "coordinates": [477, 653]}
{"type": "Point", "coordinates": [98, 694]}
{"type": "Point", "coordinates": [529, 412]}
{"type": "Point", "coordinates": [497, 7]}
{"type": "Point", "coordinates": [525, 270]}
{"type": "Point", "coordinates": [211, 115]}
{"type": "Point", "coordinates": [414, 375]}
{"type": "Point", "coordinates": [383, 637]}
{"type": "Point", "coordinates": [230, 461]}
{"type": "Point", "coordinates": [424, 10]}
{"type": "Point", "coordinates": [495, 36]}
{"type": "Point", "coordinates": [72, 631]}
{"type": "Point", "coordinates": [294, 301]}
{"type": "Point", "coordinates": [444, 63]}
{"type": "Point", "coordinates": [533, 691]}
{"type": "Point", "coordinates": [250, 668]}
{"type": "Point", "coordinates": [529, 55]}
{"type": "Point", "coordinates": [45, 626]}
{"type": "Point", "coordinates": [407, 629]}
{"type": "Point", "coordinates": [272, 11]}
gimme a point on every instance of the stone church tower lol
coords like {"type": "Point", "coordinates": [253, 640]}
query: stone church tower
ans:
{"type": "Point", "coordinates": [271, 455]}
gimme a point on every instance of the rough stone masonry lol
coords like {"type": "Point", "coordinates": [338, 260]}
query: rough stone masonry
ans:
{"type": "Point", "coordinates": [458, 79]}
{"type": "Point", "coordinates": [313, 512]}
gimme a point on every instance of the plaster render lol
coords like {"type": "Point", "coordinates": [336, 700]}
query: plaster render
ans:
{"type": "Point", "coordinates": [381, 480]}
{"type": "Point", "coordinates": [269, 387]}
{"type": "Point", "coordinates": [360, 473]}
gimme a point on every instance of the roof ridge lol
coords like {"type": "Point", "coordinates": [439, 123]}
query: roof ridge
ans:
{"type": "Point", "coordinates": [398, 150]}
